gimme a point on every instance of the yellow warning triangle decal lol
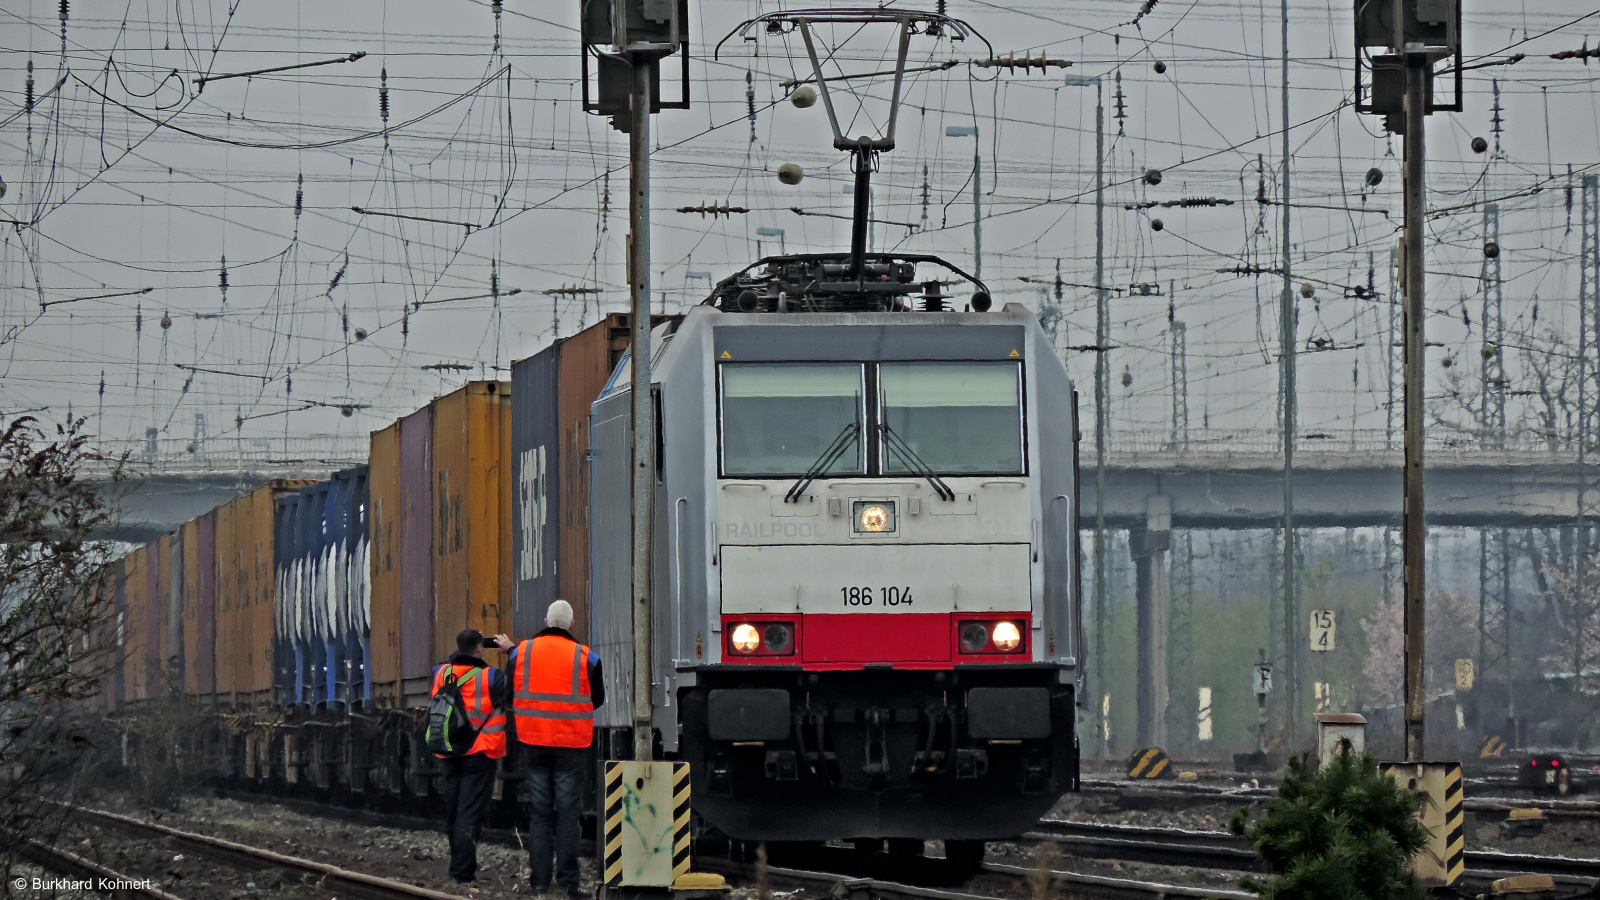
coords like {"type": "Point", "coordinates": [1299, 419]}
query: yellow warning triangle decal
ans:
{"type": "Point", "coordinates": [727, 355]}
{"type": "Point", "coordinates": [1015, 355]}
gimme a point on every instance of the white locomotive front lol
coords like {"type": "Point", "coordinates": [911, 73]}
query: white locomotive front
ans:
{"type": "Point", "coordinates": [865, 565]}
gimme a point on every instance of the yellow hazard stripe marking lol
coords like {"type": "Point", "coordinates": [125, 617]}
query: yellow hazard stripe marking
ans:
{"type": "Point", "coordinates": [680, 821]}
{"type": "Point", "coordinates": [1149, 764]}
{"type": "Point", "coordinates": [1455, 849]}
{"type": "Point", "coordinates": [613, 824]}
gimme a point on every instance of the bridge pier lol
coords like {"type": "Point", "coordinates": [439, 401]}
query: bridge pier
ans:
{"type": "Point", "coordinates": [1148, 545]}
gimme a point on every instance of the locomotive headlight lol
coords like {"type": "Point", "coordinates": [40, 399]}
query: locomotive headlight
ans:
{"type": "Point", "coordinates": [1007, 637]}
{"type": "Point", "coordinates": [746, 639]}
{"type": "Point", "coordinates": [776, 638]}
{"type": "Point", "coordinates": [874, 517]}
{"type": "Point", "coordinates": [974, 637]}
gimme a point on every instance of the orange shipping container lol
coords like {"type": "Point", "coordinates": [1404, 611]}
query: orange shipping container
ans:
{"type": "Point", "coordinates": [383, 485]}
{"type": "Point", "coordinates": [472, 512]}
{"type": "Point", "coordinates": [135, 628]}
{"type": "Point", "coordinates": [103, 639]}
{"type": "Point", "coordinates": [587, 360]}
{"type": "Point", "coordinates": [262, 631]}
{"type": "Point", "coordinates": [97, 648]}
{"type": "Point", "coordinates": [160, 615]}
{"type": "Point", "coordinates": [227, 586]}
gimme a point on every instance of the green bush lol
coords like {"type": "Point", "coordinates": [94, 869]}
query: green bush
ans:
{"type": "Point", "coordinates": [1344, 832]}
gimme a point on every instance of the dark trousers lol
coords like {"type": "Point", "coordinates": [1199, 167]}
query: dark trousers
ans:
{"type": "Point", "coordinates": [468, 788]}
{"type": "Point", "coordinates": [555, 789]}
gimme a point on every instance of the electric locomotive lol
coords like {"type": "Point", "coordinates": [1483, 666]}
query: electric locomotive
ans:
{"type": "Point", "coordinates": [865, 561]}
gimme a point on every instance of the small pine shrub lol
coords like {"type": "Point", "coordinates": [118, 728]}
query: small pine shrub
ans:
{"type": "Point", "coordinates": [1344, 832]}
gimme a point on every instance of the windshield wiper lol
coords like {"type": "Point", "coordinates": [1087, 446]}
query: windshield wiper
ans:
{"type": "Point", "coordinates": [830, 455]}
{"type": "Point", "coordinates": [895, 442]}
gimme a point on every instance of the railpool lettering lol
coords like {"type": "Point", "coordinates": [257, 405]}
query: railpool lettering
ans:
{"type": "Point", "coordinates": [760, 531]}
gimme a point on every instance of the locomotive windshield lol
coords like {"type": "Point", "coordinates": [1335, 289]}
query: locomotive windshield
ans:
{"type": "Point", "coordinates": [779, 419]}
{"type": "Point", "coordinates": [938, 418]}
{"type": "Point", "coordinates": [957, 418]}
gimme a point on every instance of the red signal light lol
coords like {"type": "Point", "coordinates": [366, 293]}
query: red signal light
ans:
{"type": "Point", "coordinates": [1534, 763]}
{"type": "Point", "coordinates": [1555, 763]}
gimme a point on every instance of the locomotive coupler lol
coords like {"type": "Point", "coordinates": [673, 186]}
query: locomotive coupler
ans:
{"type": "Point", "coordinates": [932, 758]}
{"type": "Point", "coordinates": [877, 750]}
{"type": "Point", "coordinates": [820, 762]}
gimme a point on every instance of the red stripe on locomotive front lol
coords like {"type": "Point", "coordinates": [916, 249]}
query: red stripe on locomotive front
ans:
{"type": "Point", "coordinates": [843, 641]}
{"type": "Point", "coordinates": [876, 637]}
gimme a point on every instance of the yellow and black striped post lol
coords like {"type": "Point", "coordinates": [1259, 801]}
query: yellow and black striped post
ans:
{"type": "Point", "coordinates": [680, 820]}
{"type": "Point", "coordinates": [645, 842]}
{"type": "Point", "coordinates": [611, 845]}
{"type": "Point", "coordinates": [1152, 762]}
{"type": "Point", "coordinates": [1493, 748]}
{"type": "Point", "coordinates": [1442, 815]}
{"type": "Point", "coordinates": [1455, 815]}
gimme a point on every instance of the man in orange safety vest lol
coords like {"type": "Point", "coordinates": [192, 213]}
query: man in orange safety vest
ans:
{"type": "Point", "coordinates": [556, 686]}
{"type": "Point", "coordinates": [469, 778]}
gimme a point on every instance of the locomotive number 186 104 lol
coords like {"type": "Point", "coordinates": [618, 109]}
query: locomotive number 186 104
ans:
{"type": "Point", "coordinates": [875, 596]}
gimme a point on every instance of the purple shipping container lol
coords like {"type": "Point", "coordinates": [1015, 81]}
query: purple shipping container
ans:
{"type": "Point", "coordinates": [416, 553]}
{"type": "Point", "coordinates": [206, 611]}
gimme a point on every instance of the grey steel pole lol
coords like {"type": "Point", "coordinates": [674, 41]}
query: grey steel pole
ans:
{"type": "Point", "coordinates": [977, 205]}
{"type": "Point", "coordinates": [1288, 334]}
{"type": "Point", "coordinates": [1414, 546]}
{"type": "Point", "coordinates": [643, 418]}
{"type": "Point", "coordinates": [1102, 414]}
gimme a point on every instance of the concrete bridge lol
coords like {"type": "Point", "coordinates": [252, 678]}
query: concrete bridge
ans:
{"type": "Point", "coordinates": [1234, 482]}
{"type": "Point", "coordinates": [1343, 490]}
{"type": "Point", "coordinates": [167, 482]}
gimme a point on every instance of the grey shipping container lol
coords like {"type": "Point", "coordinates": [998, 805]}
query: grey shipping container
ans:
{"type": "Point", "coordinates": [416, 551]}
{"type": "Point", "coordinates": [535, 489]}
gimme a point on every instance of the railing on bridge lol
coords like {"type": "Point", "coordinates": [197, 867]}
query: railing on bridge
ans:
{"type": "Point", "coordinates": [1349, 446]}
{"type": "Point", "coordinates": [304, 455]}
{"type": "Point", "coordinates": [311, 454]}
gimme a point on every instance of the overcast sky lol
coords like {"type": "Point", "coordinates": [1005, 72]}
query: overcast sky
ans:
{"type": "Point", "coordinates": [129, 179]}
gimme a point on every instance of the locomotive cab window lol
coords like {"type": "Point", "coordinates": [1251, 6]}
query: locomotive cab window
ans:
{"type": "Point", "coordinates": [956, 418]}
{"type": "Point", "coordinates": [781, 419]}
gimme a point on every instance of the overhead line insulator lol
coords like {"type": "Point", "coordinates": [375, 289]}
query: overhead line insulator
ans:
{"type": "Point", "coordinates": [714, 210]}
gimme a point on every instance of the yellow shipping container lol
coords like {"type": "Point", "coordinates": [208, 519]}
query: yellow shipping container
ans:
{"type": "Point", "coordinates": [135, 623]}
{"type": "Point", "coordinates": [227, 606]}
{"type": "Point", "coordinates": [472, 512]}
{"type": "Point", "coordinates": [383, 485]}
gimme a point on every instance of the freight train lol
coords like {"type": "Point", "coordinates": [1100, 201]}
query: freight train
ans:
{"type": "Point", "coordinates": [865, 565]}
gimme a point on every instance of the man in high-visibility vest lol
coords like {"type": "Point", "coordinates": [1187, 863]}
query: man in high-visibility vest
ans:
{"type": "Point", "coordinates": [469, 778]}
{"type": "Point", "coordinates": [556, 686]}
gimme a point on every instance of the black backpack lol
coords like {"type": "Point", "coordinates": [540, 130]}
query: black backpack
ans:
{"type": "Point", "coordinates": [450, 732]}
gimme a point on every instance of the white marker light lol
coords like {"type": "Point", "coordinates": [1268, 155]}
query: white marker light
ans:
{"type": "Point", "coordinates": [745, 638]}
{"type": "Point", "coordinates": [1006, 637]}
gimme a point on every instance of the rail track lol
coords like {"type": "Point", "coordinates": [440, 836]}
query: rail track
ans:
{"type": "Point", "coordinates": [841, 881]}
{"type": "Point", "coordinates": [1000, 877]}
{"type": "Point", "coordinates": [336, 880]}
{"type": "Point", "coordinates": [106, 881]}
{"type": "Point", "coordinates": [1169, 795]}
{"type": "Point", "coordinates": [831, 871]}
{"type": "Point", "coordinates": [1219, 849]}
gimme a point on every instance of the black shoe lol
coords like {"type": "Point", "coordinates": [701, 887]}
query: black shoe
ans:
{"type": "Point", "coordinates": [578, 894]}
